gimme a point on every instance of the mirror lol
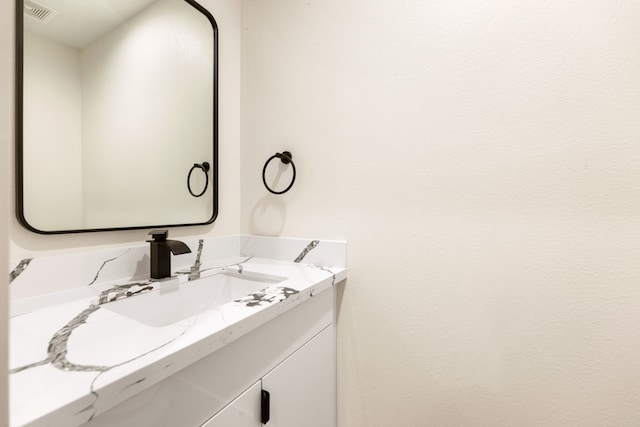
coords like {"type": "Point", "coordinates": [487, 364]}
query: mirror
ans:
{"type": "Point", "coordinates": [116, 114]}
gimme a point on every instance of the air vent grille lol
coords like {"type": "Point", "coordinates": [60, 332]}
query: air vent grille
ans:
{"type": "Point", "coordinates": [38, 11]}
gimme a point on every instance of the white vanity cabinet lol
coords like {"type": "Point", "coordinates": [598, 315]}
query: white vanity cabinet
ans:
{"type": "Point", "coordinates": [291, 356]}
{"type": "Point", "coordinates": [301, 391]}
{"type": "Point", "coordinates": [244, 411]}
{"type": "Point", "coordinates": [300, 386]}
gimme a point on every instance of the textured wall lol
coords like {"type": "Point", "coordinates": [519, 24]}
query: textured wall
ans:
{"type": "Point", "coordinates": [482, 159]}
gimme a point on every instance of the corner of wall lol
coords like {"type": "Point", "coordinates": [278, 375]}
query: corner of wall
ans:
{"type": "Point", "coordinates": [6, 137]}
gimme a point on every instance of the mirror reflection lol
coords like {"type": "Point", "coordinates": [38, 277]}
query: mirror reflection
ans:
{"type": "Point", "coordinates": [118, 103]}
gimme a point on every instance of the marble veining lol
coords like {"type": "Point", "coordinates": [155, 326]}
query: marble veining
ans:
{"type": "Point", "coordinates": [306, 250]}
{"type": "Point", "coordinates": [92, 389]}
{"type": "Point", "coordinates": [323, 268]}
{"type": "Point", "coordinates": [237, 265]}
{"type": "Point", "coordinates": [105, 263]}
{"type": "Point", "coordinates": [119, 292]}
{"type": "Point", "coordinates": [58, 344]}
{"type": "Point", "coordinates": [194, 272]}
{"type": "Point", "coordinates": [22, 265]}
{"type": "Point", "coordinates": [57, 348]}
{"type": "Point", "coordinates": [267, 296]}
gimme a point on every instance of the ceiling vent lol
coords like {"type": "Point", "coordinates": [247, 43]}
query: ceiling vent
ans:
{"type": "Point", "coordinates": [39, 11]}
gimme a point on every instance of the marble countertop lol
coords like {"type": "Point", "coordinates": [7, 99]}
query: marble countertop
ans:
{"type": "Point", "coordinates": [74, 359]}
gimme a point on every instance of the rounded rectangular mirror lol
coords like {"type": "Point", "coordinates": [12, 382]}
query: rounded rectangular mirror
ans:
{"type": "Point", "coordinates": [116, 115]}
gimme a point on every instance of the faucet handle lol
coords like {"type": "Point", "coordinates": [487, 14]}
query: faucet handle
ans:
{"type": "Point", "coordinates": [159, 235]}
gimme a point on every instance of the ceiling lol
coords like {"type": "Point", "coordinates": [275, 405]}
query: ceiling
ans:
{"type": "Point", "coordinates": [77, 23]}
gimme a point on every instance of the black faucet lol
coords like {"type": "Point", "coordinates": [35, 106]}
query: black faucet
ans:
{"type": "Point", "coordinates": [161, 250]}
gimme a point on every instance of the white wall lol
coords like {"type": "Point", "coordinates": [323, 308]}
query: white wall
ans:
{"type": "Point", "coordinates": [52, 134]}
{"type": "Point", "coordinates": [147, 116]}
{"type": "Point", "coordinates": [482, 160]}
{"type": "Point", "coordinates": [7, 31]}
{"type": "Point", "coordinates": [227, 13]}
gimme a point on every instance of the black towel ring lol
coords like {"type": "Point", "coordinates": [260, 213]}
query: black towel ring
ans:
{"type": "Point", "coordinates": [285, 157]}
{"type": "Point", "coordinates": [205, 168]}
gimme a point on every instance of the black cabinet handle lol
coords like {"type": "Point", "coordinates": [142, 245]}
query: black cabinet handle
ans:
{"type": "Point", "coordinates": [265, 407]}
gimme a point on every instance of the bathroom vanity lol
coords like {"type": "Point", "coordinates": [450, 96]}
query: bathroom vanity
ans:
{"type": "Point", "coordinates": [245, 338]}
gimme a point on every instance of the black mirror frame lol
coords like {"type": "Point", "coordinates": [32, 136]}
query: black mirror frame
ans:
{"type": "Point", "coordinates": [19, 106]}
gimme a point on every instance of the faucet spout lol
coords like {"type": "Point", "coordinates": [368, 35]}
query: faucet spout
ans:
{"type": "Point", "coordinates": [161, 250]}
{"type": "Point", "coordinates": [177, 247]}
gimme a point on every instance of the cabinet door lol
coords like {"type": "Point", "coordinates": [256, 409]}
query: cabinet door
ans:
{"type": "Point", "coordinates": [244, 411]}
{"type": "Point", "coordinates": [303, 387]}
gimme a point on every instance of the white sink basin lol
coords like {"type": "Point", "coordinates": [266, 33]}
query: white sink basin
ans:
{"type": "Point", "coordinates": [175, 302]}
